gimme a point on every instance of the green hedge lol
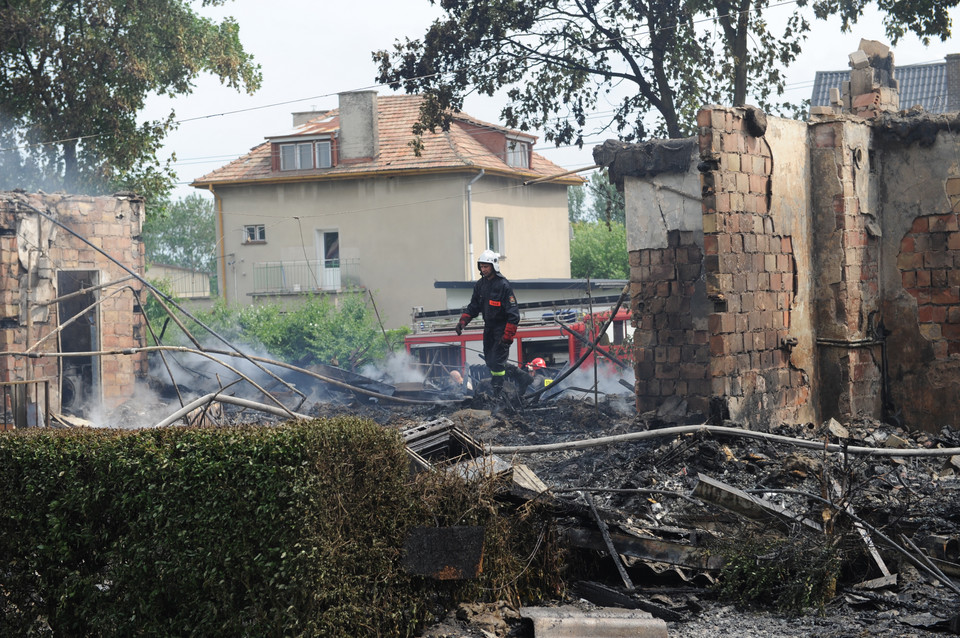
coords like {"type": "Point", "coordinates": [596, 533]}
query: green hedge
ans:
{"type": "Point", "coordinates": [295, 530]}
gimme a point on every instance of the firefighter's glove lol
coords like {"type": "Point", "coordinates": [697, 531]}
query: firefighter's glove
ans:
{"type": "Point", "coordinates": [464, 320]}
{"type": "Point", "coordinates": [508, 333]}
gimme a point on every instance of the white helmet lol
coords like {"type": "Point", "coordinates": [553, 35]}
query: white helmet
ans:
{"type": "Point", "coordinates": [489, 257]}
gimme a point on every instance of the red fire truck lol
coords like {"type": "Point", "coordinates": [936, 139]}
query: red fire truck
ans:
{"type": "Point", "coordinates": [557, 337]}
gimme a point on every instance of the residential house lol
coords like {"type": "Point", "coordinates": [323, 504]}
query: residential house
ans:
{"type": "Point", "coordinates": [343, 203]}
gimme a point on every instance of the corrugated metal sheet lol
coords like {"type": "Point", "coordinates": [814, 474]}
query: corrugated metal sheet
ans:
{"type": "Point", "coordinates": [923, 84]}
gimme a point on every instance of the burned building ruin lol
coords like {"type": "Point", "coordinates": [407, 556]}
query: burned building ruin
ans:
{"type": "Point", "coordinates": [68, 295]}
{"type": "Point", "coordinates": [789, 272]}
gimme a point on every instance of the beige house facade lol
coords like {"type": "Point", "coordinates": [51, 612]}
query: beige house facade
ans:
{"type": "Point", "coordinates": [343, 204]}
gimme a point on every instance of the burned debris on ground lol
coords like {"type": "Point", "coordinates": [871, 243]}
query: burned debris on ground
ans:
{"type": "Point", "coordinates": [705, 530]}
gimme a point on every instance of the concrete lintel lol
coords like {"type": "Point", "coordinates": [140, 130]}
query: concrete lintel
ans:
{"type": "Point", "coordinates": [606, 622]}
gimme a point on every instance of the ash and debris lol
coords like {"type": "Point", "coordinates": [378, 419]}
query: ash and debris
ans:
{"type": "Point", "coordinates": [916, 496]}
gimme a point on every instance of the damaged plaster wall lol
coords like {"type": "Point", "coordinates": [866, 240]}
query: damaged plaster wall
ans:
{"type": "Point", "coordinates": [661, 188]}
{"type": "Point", "coordinates": [918, 171]}
{"type": "Point", "coordinates": [37, 256]}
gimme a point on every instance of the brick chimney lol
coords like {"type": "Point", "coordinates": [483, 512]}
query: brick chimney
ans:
{"type": "Point", "coordinates": [953, 82]}
{"type": "Point", "coordinates": [359, 135]}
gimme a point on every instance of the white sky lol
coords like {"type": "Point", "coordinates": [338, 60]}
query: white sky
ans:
{"type": "Point", "coordinates": [308, 54]}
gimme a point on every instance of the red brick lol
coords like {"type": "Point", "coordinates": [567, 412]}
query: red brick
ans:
{"type": "Point", "coordinates": [949, 296]}
{"type": "Point", "coordinates": [920, 225]}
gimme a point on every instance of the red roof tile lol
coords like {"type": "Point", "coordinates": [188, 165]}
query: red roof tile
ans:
{"type": "Point", "coordinates": [459, 148]}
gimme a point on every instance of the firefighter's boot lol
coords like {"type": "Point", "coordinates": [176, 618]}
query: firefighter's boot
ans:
{"type": "Point", "coordinates": [497, 396]}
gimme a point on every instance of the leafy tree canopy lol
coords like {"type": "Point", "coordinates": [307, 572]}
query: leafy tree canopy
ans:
{"type": "Point", "coordinates": [597, 200]}
{"type": "Point", "coordinates": [183, 235]}
{"type": "Point", "coordinates": [561, 60]}
{"type": "Point", "coordinates": [599, 251]}
{"type": "Point", "coordinates": [74, 76]}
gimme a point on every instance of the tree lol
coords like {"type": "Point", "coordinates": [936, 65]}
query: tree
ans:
{"type": "Point", "coordinates": [576, 203]}
{"type": "Point", "coordinates": [559, 60]}
{"type": "Point", "coordinates": [599, 251]}
{"type": "Point", "coordinates": [183, 235]}
{"type": "Point", "coordinates": [74, 76]}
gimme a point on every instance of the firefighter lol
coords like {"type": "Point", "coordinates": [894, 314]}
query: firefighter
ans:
{"type": "Point", "coordinates": [539, 376]}
{"type": "Point", "coordinates": [493, 298]}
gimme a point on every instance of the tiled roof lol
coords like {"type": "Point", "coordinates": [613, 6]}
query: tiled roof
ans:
{"type": "Point", "coordinates": [923, 84]}
{"type": "Point", "coordinates": [456, 149]}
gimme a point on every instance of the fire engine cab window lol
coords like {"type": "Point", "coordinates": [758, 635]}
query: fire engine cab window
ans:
{"type": "Point", "coordinates": [254, 234]}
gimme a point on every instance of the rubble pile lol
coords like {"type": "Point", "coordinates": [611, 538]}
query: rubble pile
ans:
{"type": "Point", "coordinates": [652, 518]}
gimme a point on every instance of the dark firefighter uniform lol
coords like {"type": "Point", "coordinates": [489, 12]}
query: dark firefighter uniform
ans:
{"type": "Point", "coordinates": [493, 298]}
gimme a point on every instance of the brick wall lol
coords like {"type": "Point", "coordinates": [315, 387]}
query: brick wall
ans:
{"type": "Point", "coordinates": [929, 263]}
{"type": "Point", "coordinates": [750, 275]}
{"type": "Point", "coordinates": [671, 351]}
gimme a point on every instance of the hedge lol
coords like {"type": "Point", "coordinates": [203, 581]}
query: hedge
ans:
{"type": "Point", "coordinates": [291, 530]}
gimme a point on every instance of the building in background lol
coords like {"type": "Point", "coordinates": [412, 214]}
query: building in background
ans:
{"type": "Point", "coordinates": [343, 203]}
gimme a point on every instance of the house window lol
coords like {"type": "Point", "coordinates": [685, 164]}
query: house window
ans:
{"type": "Point", "coordinates": [324, 157]}
{"type": "Point", "coordinates": [306, 155]}
{"type": "Point", "coordinates": [495, 235]}
{"type": "Point", "coordinates": [518, 153]}
{"type": "Point", "coordinates": [254, 233]}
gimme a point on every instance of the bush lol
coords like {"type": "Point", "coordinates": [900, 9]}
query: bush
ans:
{"type": "Point", "coordinates": [789, 574]}
{"type": "Point", "coordinates": [295, 530]}
{"type": "Point", "coordinates": [346, 334]}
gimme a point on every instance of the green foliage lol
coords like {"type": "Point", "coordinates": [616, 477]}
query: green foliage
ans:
{"type": "Point", "coordinates": [789, 574]}
{"type": "Point", "coordinates": [656, 61]}
{"type": "Point", "coordinates": [345, 333]}
{"type": "Point", "coordinates": [599, 250]}
{"type": "Point", "coordinates": [576, 203]}
{"type": "Point", "coordinates": [292, 530]}
{"type": "Point", "coordinates": [155, 313]}
{"type": "Point", "coordinates": [75, 76]}
{"type": "Point", "coordinates": [560, 60]}
{"type": "Point", "coordinates": [923, 18]}
{"type": "Point", "coordinates": [184, 234]}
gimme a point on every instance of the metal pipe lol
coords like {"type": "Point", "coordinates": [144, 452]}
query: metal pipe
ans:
{"type": "Point", "coordinates": [719, 430]}
{"type": "Point", "coordinates": [470, 223]}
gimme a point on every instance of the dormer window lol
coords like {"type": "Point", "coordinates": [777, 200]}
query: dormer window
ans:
{"type": "Point", "coordinates": [301, 156]}
{"type": "Point", "coordinates": [518, 153]}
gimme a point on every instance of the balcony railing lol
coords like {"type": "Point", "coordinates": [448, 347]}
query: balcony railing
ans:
{"type": "Point", "coordinates": [291, 277]}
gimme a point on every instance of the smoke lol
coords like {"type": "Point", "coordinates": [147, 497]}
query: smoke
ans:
{"type": "Point", "coordinates": [607, 381]}
{"type": "Point", "coordinates": [396, 368]}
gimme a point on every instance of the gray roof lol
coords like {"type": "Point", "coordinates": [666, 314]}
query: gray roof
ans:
{"type": "Point", "coordinates": [923, 84]}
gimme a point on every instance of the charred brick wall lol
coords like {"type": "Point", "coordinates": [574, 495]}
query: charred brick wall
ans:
{"type": "Point", "coordinates": [751, 275]}
{"type": "Point", "coordinates": [672, 351]}
{"type": "Point", "coordinates": [847, 257]}
{"type": "Point", "coordinates": [36, 253]}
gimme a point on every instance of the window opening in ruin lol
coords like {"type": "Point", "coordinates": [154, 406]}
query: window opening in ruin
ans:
{"type": "Point", "coordinates": [79, 375]}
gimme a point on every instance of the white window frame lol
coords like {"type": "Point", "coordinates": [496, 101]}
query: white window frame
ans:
{"type": "Point", "coordinates": [301, 156]}
{"type": "Point", "coordinates": [323, 156]}
{"type": "Point", "coordinates": [518, 153]}
{"type": "Point", "coordinates": [254, 234]}
{"type": "Point", "coordinates": [493, 234]}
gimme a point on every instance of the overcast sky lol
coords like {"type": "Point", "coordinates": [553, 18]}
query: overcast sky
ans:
{"type": "Point", "coordinates": [309, 51]}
